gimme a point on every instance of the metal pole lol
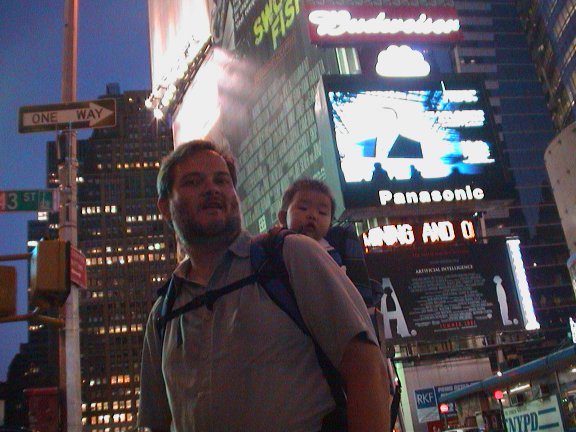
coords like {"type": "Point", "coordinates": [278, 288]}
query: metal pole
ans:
{"type": "Point", "coordinates": [69, 340]}
{"type": "Point", "coordinates": [504, 427]}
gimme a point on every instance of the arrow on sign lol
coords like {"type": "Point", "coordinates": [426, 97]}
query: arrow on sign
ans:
{"type": "Point", "coordinates": [76, 115]}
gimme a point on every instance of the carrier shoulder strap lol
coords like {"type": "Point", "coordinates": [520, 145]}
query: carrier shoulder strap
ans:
{"type": "Point", "coordinates": [346, 243]}
{"type": "Point", "coordinates": [268, 261]}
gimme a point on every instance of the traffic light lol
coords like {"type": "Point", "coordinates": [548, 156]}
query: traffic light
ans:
{"type": "Point", "coordinates": [7, 291]}
{"type": "Point", "coordinates": [50, 273]}
{"type": "Point", "coordinates": [498, 395]}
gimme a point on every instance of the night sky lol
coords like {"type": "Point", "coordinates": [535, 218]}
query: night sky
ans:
{"type": "Point", "coordinates": [112, 47]}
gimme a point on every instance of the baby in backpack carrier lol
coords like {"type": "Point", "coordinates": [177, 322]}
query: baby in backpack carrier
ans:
{"type": "Point", "coordinates": [308, 207]}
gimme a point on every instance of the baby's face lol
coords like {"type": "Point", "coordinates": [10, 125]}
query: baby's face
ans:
{"type": "Point", "coordinates": [310, 213]}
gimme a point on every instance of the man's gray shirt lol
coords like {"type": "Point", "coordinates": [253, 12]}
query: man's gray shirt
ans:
{"type": "Point", "coordinates": [244, 365]}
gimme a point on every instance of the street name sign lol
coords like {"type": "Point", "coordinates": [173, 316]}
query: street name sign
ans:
{"type": "Point", "coordinates": [29, 200]}
{"type": "Point", "coordinates": [99, 113]}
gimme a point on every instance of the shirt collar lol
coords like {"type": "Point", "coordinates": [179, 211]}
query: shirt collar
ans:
{"type": "Point", "coordinates": [239, 247]}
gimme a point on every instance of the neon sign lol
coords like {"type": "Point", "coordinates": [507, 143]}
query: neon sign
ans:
{"type": "Point", "coordinates": [378, 24]}
{"type": "Point", "coordinates": [275, 19]}
{"type": "Point", "coordinates": [424, 196]}
{"type": "Point", "coordinates": [404, 234]}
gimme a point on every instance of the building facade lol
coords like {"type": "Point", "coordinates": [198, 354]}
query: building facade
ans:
{"type": "Point", "coordinates": [129, 253]}
{"type": "Point", "coordinates": [550, 26]}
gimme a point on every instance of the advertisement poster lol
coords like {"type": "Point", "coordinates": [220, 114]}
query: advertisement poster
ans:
{"type": "Point", "coordinates": [438, 292]}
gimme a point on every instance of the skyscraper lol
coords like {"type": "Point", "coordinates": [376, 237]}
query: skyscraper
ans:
{"type": "Point", "coordinates": [128, 249]}
{"type": "Point", "coordinates": [551, 30]}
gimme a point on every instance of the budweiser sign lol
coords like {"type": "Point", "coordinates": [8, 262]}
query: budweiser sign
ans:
{"type": "Point", "coordinates": [382, 24]}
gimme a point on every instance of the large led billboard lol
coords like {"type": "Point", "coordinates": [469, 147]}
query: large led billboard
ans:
{"type": "Point", "coordinates": [414, 142]}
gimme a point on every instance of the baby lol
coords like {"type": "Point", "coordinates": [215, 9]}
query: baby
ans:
{"type": "Point", "coordinates": [308, 207]}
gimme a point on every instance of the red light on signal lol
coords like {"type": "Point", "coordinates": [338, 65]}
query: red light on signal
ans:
{"type": "Point", "coordinates": [443, 408]}
{"type": "Point", "coordinates": [498, 395]}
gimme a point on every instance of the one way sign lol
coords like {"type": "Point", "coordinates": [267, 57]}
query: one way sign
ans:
{"type": "Point", "coordinates": [75, 115]}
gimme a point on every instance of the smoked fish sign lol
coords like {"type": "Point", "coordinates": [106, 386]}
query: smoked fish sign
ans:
{"type": "Point", "coordinates": [74, 115]}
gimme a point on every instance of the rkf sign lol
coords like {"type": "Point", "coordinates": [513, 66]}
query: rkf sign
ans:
{"type": "Point", "coordinates": [77, 115]}
{"type": "Point", "coordinates": [29, 200]}
{"type": "Point", "coordinates": [352, 24]}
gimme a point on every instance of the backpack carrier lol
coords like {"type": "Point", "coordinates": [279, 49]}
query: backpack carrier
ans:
{"type": "Point", "coordinates": [271, 274]}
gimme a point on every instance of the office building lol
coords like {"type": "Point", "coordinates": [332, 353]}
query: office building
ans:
{"type": "Point", "coordinates": [550, 26]}
{"type": "Point", "coordinates": [129, 253]}
{"type": "Point", "coordinates": [128, 249]}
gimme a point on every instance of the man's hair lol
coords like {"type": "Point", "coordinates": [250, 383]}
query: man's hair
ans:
{"type": "Point", "coordinates": [165, 179]}
{"type": "Point", "coordinates": [307, 184]}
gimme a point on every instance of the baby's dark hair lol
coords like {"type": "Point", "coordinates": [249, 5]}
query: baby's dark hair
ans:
{"type": "Point", "coordinates": [307, 184]}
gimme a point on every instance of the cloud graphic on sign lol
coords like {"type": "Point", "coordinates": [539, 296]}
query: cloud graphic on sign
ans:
{"type": "Point", "coordinates": [401, 61]}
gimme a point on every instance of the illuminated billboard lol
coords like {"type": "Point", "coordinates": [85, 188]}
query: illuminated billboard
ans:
{"type": "Point", "coordinates": [428, 232]}
{"type": "Point", "coordinates": [406, 143]}
{"type": "Point", "coordinates": [437, 292]}
{"type": "Point", "coordinates": [342, 25]}
{"type": "Point", "coordinates": [178, 28]}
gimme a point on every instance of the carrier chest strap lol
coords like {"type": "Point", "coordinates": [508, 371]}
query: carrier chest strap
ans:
{"type": "Point", "coordinates": [207, 299]}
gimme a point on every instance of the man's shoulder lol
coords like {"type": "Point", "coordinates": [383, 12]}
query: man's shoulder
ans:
{"type": "Point", "coordinates": [301, 240]}
{"type": "Point", "coordinates": [302, 245]}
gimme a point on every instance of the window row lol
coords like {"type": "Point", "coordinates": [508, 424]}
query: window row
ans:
{"type": "Point", "coordinates": [128, 259]}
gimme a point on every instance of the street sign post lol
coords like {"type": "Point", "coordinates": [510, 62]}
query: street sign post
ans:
{"type": "Point", "coordinates": [29, 200]}
{"type": "Point", "coordinates": [74, 115]}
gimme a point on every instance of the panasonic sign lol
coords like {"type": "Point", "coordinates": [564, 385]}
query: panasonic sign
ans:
{"type": "Point", "coordinates": [423, 197]}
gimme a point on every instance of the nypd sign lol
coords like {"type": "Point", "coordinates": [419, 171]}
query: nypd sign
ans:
{"type": "Point", "coordinates": [537, 415]}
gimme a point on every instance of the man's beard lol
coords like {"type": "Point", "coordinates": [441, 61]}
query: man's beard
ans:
{"type": "Point", "coordinates": [190, 233]}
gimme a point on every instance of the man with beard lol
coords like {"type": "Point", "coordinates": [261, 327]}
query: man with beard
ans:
{"type": "Point", "coordinates": [241, 363]}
